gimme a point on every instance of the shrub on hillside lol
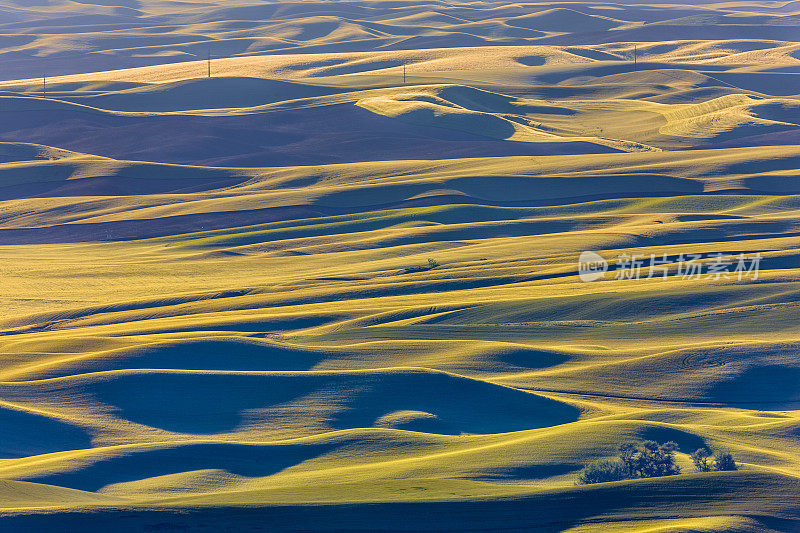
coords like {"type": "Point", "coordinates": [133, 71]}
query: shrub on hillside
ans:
{"type": "Point", "coordinates": [602, 471]}
{"type": "Point", "coordinates": [722, 461]}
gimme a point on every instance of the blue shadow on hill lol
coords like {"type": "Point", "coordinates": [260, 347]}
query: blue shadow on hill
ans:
{"type": "Point", "coordinates": [25, 433]}
{"type": "Point", "coordinates": [209, 403]}
{"type": "Point", "coordinates": [238, 459]}
{"type": "Point", "coordinates": [199, 354]}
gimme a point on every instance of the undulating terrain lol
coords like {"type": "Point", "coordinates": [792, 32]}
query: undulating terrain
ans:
{"type": "Point", "coordinates": [328, 280]}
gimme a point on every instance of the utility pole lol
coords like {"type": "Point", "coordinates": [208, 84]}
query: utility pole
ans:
{"type": "Point", "coordinates": [44, 86]}
{"type": "Point", "coordinates": [404, 73]}
{"type": "Point", "coordinates": [635, 53]}
{"type": "Point", "coordinates": [209, 63]}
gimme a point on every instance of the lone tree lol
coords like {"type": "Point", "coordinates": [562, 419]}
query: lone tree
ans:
{"type": "Point", "coordinates": [724, 461]}
{"type": "Point", "coordinates": [700, 460]}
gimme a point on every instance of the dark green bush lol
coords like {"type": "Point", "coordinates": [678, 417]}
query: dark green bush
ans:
{"type": "Point", "coordinates": [724, 461]}
{"type": "Point", "coordinates": [602, 471]}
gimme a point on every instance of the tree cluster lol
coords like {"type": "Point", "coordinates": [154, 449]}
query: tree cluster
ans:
{"type": "Point", "coordinates": [650, 459]}
{"type": "Point", "coordinates": [704, 461]}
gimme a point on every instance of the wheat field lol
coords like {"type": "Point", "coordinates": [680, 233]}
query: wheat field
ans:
{"type": "Point", "coordinates": [314, 265]}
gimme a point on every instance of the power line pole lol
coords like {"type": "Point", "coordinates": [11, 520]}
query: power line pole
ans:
{"type": "Point", "coordinates": [635, 53]}
{"type": "Point", "coordinates": [44, 86]}
{"type": "Point", "coordinates": [404, 73]}
{"type": "Point", "coordinates": [209, 63]}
